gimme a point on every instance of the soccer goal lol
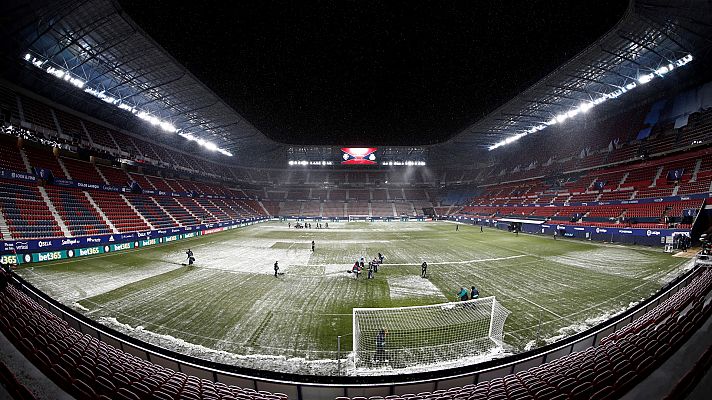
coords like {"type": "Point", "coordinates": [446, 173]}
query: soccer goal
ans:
{"type": "Point", "coordinates": [410, 336]}
{"type": "Point", "coordinates": [353, 217]}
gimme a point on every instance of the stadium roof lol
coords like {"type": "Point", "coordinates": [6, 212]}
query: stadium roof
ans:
{"type": "Point", "coordinates": [653, 39]}
{"type": "Point", "coordinates": [94, 46]}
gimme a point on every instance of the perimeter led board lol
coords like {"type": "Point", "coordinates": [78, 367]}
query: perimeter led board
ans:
{"type": "Point", "coordinates": [359, 155]}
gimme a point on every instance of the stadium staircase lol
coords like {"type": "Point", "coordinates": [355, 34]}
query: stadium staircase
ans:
{"type": "Point", "coordinates": [122, 214]}
{"type": "Point", "coordinates": [64, 168]}
{"type": "Point", "coordinates": [62, 226]}
{"type": "Point", "coordinates": [175, 213]}
{"type": "Point", "coordinates": [77, 212]}
{"type": "Point", "coordinates": [102, 176]}
{"type": "Point", "coordinates": [4, 229]}
{"type": "Point", "coordinates": [695, 171]}
{"type": "Point", "coordinates": [26, 161]}
{"type": "Point", "coordinates": [103, 216]}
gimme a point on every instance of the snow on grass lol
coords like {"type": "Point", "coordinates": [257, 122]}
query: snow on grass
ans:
{"type": "Point", "coordinates": [71, 284]}
{"type": "Point", "coordinates": [285, 364]}
{"type": "Point", "coordinates": [413, 286]}
{"type": "Point", "coordinates": [229, 309]}
{"type": "Point", "coordinates": [624, 262]}
{"type": "Point", "coordinates": [575, 328]}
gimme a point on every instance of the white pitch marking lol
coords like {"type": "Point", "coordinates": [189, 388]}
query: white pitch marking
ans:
{"type": "Point", "coordinates": [543, 308]}
{"type": "Point", "coordinates": [440, 263]}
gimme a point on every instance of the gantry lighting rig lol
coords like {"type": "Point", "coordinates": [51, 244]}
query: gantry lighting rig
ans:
{"type": "Point", "coordinates": [655, 40]}
{"type": "Point", "coordinates": [91, 56]}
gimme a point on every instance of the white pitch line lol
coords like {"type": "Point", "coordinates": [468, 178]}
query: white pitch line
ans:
{"type": "Point", "coordinates": [543, 308]}
{"type": "Point", "coordinates": [434, 263]}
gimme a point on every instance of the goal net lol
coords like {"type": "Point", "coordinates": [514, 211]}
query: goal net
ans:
{"type": "Point", "coordinates": [353, 217]}
{"type": "Point", "coordinates": [410, 336]}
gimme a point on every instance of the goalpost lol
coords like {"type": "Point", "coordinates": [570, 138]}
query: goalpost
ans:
{"type": "Point", "coordinates": [359, 217]}
{"type": "Point", "coordinates": [411, 336]}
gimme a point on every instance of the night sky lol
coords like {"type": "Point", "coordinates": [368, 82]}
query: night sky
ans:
{"type": "Point", "coordinates": [371, 73]}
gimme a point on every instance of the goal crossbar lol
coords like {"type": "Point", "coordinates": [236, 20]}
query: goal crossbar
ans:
{"type": "Point", "coordinates": [426, 334]}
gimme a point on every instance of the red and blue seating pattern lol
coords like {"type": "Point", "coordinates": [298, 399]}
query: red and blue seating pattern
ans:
{"type": "Point", "coordinates": [78, 214]}
{"type": "Point", "coordinates": [154, 214]}
{"type": "Point", "coordinates": [26, 212]}
{"type": "Point", "coordinates": [123, 217]}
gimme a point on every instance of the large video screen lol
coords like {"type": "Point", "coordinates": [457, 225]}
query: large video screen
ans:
{"type": "Point", "coordinates": [359, 155]}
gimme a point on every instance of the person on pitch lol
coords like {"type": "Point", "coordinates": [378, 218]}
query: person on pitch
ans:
{"type": "Point", "coordinates": [191, 259]}
{"type": "Point", "coordinates": [462, 294]}
{"type": "Point", "coordinates": [313, 245]}
{"type": "Point", "coordinates": [381, 345]}
{"type": "Point", "coordinates": [423, 269]}
{"type": "Point", "coordinates": [276, 268]}
{"type": "Point", "coordinates": [474, 293]}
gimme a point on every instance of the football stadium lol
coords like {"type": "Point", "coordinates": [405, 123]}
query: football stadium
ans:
{"type": "Point", "coordinates": [356, 200]}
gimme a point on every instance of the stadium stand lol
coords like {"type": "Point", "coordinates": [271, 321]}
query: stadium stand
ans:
{"type": "Point", "coordinates": [150, 210]}
{"type": "Point", "coordinates": [26, 212]}
{"type": "Point", "coordinates": [628, 157]}
{"type": "Point", "coordinates": [82, 171]}
{"type": "Point", "coordinates": [114, 176]}
{"type": "Point", "coordinates": [44, 158]}
{"type": "Point", "coordinates": [176, 210]}
{"type": "Point", "coordinates": [11, 159]}
{"type": "Point", "coordinates": [77, 213]}
{"type": "Point", "coordinates": [37, 113]}
{"type": "Point", "coordinates": [100, 135]}
{"type": "Point", "coordinates": [117, 210]}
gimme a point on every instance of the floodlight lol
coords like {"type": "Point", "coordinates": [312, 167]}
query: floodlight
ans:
{"type": "Point", "coordinates": [643, 79]}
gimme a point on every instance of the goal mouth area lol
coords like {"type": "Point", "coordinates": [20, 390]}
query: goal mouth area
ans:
{"type": "Point", "coordinates": [406, 337]}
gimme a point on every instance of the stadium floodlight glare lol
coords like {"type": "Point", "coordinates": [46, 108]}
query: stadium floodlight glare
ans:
{"type": "Point", "coordinates": [305, 162]}
{"type": "Point", "coordinates": [643, 79]}
{"type": "Point", "coordinates": [67, 76]}
{"type": "Point", "coordinates": [586, 106]}
{"type": "Point", "coordinates": [404, 163]}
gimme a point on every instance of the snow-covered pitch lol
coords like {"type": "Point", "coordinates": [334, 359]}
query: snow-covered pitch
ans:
{"type": "Point", "coordinates": [229, 307]}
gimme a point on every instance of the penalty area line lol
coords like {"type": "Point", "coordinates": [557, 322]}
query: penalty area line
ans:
{"type": "Point", "coordinates": [542, 307]}
{"type": "Point", "coordinates": [433, 263]}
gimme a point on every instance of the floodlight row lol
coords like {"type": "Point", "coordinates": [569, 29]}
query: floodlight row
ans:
{"type": "Point", "coordinates": [587, 105]}
{"type": "Point", "coordinates": [305, 162]}
{"type": "Point", "coordinates": [102, 95]}
{"type": "Point", "coordinates": [408, 163]}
